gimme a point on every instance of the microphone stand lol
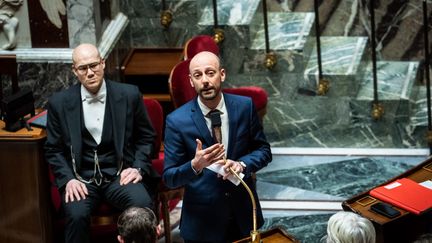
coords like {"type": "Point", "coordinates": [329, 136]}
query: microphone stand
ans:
{"type": "Point", "coordinates": [255, 235]}
{"type": "Point", "coordinates": [217, 133]}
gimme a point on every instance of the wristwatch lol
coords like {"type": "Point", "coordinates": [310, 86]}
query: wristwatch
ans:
{"type": "Point", "coordinates": [243, 164]}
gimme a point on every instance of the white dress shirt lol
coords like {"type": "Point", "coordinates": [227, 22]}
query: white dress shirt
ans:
{"type": "Point", "coordinates": [94, 111]}
{"type": "Point", "coordinates": [224, 120]}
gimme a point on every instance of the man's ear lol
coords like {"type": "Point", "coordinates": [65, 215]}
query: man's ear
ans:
{"type": "Point", "coordinates": [120, 239]}
{"type": "Point", "coordinates": [222, 74]}
{"type": "Point", "coordinates": [103, 63]}
{"type": "Point", "coordinates": [74, 71]}
{"type": "Point", "coordinates": [191, 82]}
{"type": "Point", "coordinates": [158, 229]}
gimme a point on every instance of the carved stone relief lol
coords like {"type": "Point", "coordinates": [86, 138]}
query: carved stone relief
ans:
{"type": "Point", "coordinates": [8, 21]}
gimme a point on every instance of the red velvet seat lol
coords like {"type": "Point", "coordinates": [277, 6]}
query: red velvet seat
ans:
{"type": "Point", "coordinates": [181, 91]}
{"type": "Point", "coordinates": [167, 198]}
{"type": "Point", "coordinates": [104, 219]}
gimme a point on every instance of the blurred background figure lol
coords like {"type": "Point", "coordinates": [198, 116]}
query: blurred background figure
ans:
{"type": "Point", "coordinates": [138, 225]}
{"type": "Point", "coordinates": [349, 227]}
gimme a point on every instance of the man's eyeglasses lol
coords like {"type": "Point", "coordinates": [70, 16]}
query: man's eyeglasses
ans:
{"type": "Point", "coordinates": [84, 68]}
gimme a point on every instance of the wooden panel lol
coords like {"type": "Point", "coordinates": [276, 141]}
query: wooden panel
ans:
{"type": "Point", "coordinates": [149, 69]}
{"type": "Point", "coordinates": [24, 189]}
{"type": "Point", "coordinates": [276, 235]}
{"type": "Point", "coordinates": [151, 61]}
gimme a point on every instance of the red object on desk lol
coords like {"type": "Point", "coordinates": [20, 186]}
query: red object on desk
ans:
{"type": "Point", "coordinates": [405, 194]}
{"type": "Point", "coordinates": [39, 120]}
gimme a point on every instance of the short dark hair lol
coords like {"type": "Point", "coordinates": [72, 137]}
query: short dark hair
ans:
{"type": "Point", "coordinates": [137, 225]}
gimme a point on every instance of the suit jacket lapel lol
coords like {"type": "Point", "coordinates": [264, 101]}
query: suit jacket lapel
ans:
{"type": "Point", "coordinates": [117, 106]}
{"type": "Point", "coordinates": [233, 117]}
{"type": "Point", "coordinates": [200, 123]}
{"type": "Point", "coordinates": [73, 120]}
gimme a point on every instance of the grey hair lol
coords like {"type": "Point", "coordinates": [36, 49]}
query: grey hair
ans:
{"type": "Point", "coordinates": [349, 227]}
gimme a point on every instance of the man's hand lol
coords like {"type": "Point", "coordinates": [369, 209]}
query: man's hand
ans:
{"type": "Point", "coordinates": [208, 156]}
{"type": "Point", "coordinates": [130, 175]}
{"type": "Point", "coordinates": [75, 189]}
{"type": "Point", "coordinates": [234, 165]}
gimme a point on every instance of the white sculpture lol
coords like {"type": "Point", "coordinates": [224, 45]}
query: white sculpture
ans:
{"type": "Point", "coordinates": [53, 10]}
{"type": "Point", "coordinates": [8, 22]}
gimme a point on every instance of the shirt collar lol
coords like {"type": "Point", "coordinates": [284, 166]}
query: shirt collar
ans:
{"type": "Point", "coordinates": [101, 94]}
{"type": "Point", "coordinates": [205, 110]}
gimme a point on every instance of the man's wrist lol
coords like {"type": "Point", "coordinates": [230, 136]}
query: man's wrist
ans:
{"type": "Point", "coordinates": [197, 172]}
{"type": "Point", "coordinates": [139, 170]}
{"type": "Point", "coordinates": [243, 164]}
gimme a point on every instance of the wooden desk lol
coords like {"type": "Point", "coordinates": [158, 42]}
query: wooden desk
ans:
{"type": "Point", "coordinates": [404, 228]}
{"type": "Point", "coordinates": [276, 235]}
{"type": "Point", "coordinates": [24, 189]}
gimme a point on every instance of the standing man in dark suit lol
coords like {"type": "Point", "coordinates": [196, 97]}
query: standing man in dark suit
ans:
{"type": "Point", "coordinates": [214, 209]}
{"type": "Point", "coordinates": [99, 144]}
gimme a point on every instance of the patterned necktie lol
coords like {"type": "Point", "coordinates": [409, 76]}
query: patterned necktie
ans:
{"type": "Point", "coordinates": [215, 118]}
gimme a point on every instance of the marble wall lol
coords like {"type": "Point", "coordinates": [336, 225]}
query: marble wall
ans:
{"type": "Point", "coordinates": [47, 70]}
{"type": "Point", "coordinates": [295, 115]}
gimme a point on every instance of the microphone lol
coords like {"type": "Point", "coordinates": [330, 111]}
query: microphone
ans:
{"type": "Point", "coordinates": [216, 123]}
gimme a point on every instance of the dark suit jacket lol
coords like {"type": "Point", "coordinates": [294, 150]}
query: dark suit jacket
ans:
{"type": "Point", "coordinates": [132, 130]}
{"type": "Point", "coordinates": [208, 200]}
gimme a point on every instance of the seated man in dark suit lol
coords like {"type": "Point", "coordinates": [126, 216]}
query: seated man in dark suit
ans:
{"type": "Point", "coordinates": [99, 144]}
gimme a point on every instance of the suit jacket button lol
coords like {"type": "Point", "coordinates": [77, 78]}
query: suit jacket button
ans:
{"type": "Point", "coordinates": [227, 194]}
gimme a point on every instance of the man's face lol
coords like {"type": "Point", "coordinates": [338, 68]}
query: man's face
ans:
{"type": "Point", "coordinates": [89, 68]}
{"type": "Point", "coordinates": [206, 75]}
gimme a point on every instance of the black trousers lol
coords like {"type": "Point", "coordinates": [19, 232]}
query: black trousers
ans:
{"type": "Point", "coordinates": [233, 233]}
{"type": "Point", "coordinates": [78, 213]}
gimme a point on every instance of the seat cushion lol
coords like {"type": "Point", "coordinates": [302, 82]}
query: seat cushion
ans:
{"type": "Point", "coordinates": [180, 87]}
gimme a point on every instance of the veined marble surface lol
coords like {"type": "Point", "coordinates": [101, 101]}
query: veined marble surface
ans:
{"type": "Point", "coordinates": [396, 87]}
{"type": "Point", "coordinates": [239, 12]}
{"type": "Point", "coordinates": [81, 22]}
{"type": "Point", "coordinates": [287, 31]}
{"type": "Point", "coordinates": [395, 81]}
{"type": "Point", "coordinates": [341, 63]}
{"type": "Point", "coordinates": [339, 55]}
{"type": "Point", "coordinates": [145, 29]}
{"type": "Point", "coordinates": [336, 180]}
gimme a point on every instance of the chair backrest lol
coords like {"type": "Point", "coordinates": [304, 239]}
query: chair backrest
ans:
{"type": "Point", "coordinates": [155, 113]}
{"type": "Point", "coordinates": [180, 88]}
{"type": "Point", "coordinates": [198, 44]}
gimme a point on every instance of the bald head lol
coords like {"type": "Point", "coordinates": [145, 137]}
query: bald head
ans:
{"type": "Point", "coordinates": [84, 51]}
{"type": "Point", "coordinates": [204, 58]}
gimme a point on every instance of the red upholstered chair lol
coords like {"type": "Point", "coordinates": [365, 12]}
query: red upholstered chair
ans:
{"type": "Point", "coordinates": [198, 44]}
{"type": "Point", "coordinates": [181, 91]}
{"type": "Point", "coordinates": [104, 219]}
{"type": "Point", "coordinates": [167, 198]}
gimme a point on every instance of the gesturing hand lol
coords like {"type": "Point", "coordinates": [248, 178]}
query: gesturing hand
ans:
{"type": "Point", "coordinates": [130, 175]}
{"type": "Point", "coordinates": [75, 189]}
{"type": "Point", "coordinates": [208, 156]}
